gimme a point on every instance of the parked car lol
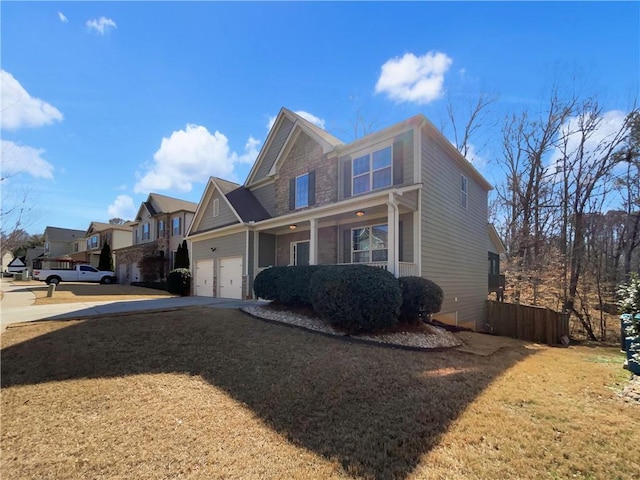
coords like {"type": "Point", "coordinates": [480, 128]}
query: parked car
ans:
{"type": "Point", "coordinates": [80, 273]}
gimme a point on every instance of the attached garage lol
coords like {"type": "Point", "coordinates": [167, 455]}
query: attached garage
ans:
{"type": "Point", "coordinates": [204, 278]}
{"type": "Point", "coordinates": [230, 277]}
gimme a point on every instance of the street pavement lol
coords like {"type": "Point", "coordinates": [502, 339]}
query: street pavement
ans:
{"type": "Point", "coordinates": [17, 305]}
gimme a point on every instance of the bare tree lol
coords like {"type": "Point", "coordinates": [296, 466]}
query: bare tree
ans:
{"type": "Point", "coordinates": [587, 162]}
{"type": "Point", "coordinates": [478, 117]}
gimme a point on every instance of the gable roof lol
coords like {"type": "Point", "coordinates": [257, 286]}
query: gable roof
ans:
{"type": "Point", "coordinates": [156, 203]}
{"type": "Point", "coordinates": [244, 205]}
{"type": "Point", "coordinates": [101, 227]}
{"type": "Point", "coordinates": [57, 234]}
{"type": "Point", "coordinates": [286, 126]}
{"type": "Point", "coordinates": [247, 205]}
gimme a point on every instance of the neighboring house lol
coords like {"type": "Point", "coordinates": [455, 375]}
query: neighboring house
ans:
{"type": "Point", "coordinates": [89, 248]}
{"type": "Point", "coordinates": [402, 198]}
{"type": "Point", "coordinates": [496, 248]}
{"type": "Point", "coordinates": [34, 257]}
{"type": "Point", "coordinates": [6, 259]}
{"type": "Point", "coordinates": [17, 265]}
{"type": "Point", "coordinates": [158, 229]}
{"type": "Point", "coordinates": [57, 244]}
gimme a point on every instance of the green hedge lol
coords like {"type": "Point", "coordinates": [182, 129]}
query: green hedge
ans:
{"type": "Point", "coordinates": [356, 298]}
{"type": "Point", "coordinates": [285, 285]}
{"type": "Point", "coordinates": [179, 281]}
{"type": "Point", "coordinates": [420, 298]}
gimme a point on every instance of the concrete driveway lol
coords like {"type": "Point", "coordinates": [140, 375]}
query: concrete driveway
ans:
{"type": "Point", "coordinates": [17, 305]}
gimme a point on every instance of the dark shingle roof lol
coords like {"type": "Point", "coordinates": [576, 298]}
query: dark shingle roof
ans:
{"type": "Point", "coordinates": [247, 206]}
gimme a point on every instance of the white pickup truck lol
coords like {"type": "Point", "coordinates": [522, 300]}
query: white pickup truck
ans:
{"type": "Point", "coordinates": [81, 273]}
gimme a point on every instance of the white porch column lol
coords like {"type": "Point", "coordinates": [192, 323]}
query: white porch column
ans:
{"type": "Point", "coordinates": [313, 242]}
{"type": "Point", "coordinates": [393, 224]}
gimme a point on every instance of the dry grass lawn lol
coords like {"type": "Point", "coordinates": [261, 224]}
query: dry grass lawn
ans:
{"type": "Point", "coordinates": [70, 292]}
{"type": "Point", "coordinates": [206, 393]}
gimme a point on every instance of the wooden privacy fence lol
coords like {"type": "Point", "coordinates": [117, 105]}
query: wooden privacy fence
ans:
{"type": "Point", "coordinates": [526, 322]}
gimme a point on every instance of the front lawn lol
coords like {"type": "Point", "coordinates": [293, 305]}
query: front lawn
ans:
{"type": "Point", "coordinates": [206, 393]}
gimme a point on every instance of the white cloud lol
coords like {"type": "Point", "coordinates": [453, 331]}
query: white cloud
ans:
{"type": "Point", "coordinates": [102, 25]}
{"type": "Point", "coordinates": [18, 159]}
{"type": "Point", "coordinates": [192, 155]}
{"type": "Point", "coordinates": [62, 18]}
{"type": "Point", "coordinates": [607, 128]}
{"type": "Point", "coordinates": [414, 79]}
{"type": "Point", "coordinates": [306, 115]}
{"type": "Point", "coordinates": [19, 109]}
{"type": "Point", "coordinates": [122, 207]}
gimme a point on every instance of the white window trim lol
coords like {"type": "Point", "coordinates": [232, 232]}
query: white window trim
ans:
{"type": "Point", "coordinates": [370, 250]}
{"type": "Point", "coordinates": [464, 192]}
{"type": "Point", "coordinates": [173, 228]}
{"type": "Point", "coordinates": [216, 207]}
{"type": "Point", "coordinates": [293, 251]}
{"type": "Point", "coordinates": [371, 171]}
{"type": "Point", "coordinates": [296, 196]}
{"type": "Point", "coordinates": [146, 235]}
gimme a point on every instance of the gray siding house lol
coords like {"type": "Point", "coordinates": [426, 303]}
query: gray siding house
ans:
{"type": "Point", "coordinates": [402, 198]}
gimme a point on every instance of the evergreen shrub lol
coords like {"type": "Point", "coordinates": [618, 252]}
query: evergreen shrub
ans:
{"type": "Point", "coordinates": [356, 298]}
{"type": "Point", "coordinates": [179, 281]}
{"type": "Point", "coordinates": [420, 298]}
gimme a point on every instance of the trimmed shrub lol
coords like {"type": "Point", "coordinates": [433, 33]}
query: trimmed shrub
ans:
{"type": "Point", "coordinates": [420, 298]}
{"type": "Point", "coordinates": [356, 298]}
{"type": "Point", "coordinates": [179, 281]}
{"type": "Point", "coordinates": [285, 285]}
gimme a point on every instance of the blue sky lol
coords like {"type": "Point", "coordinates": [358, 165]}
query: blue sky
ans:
{"type": "Point", "coordinates": [103, 103]}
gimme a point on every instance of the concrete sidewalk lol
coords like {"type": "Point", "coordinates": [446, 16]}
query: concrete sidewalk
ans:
{"type": "Point", "coordinates": [17, 305]}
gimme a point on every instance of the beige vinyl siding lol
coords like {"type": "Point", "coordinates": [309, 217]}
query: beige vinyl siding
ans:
{"type": "Point", "coordinates": [266, 195]}
{"type": "Point", "coordinates": [225, 217]}
{"type": "Point", "coordinates": [274, 149]}
{"type": "Point", "coordinates": [454, 239]}
{"type": "Point", "coordinates": [407, 156]}
{"type": "Point", "coordinates": [227, 246]}
{"type": "Point", "coordinates": [406, 220]}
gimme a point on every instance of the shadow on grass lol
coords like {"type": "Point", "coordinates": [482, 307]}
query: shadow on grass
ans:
{"type": "Point", "coordinates": [374, 410]}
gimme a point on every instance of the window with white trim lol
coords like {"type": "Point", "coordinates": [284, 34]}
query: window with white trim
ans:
{"type": "Point", "coordinates": [464, 192]}
{"type": "Point", "coordinates": [216, 207]}
{"type": "Point", "coordinates": [175, 226]}
{"type": "Point", "coordinates": [302, 191]}
{"type": "Point", "coordinates": [145, 231]}
{"type": "Point", "coordinates": [300, 253]}
{"type": "Point", "coordinates": [160, 228]}
{"type": "Point", "coordinates": [369, 244]}
{"type": "Point", "coordinates": [372, 171]}
{"type": "Point", "coordinates": [92, 242]}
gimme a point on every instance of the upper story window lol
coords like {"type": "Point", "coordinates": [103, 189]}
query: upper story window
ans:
{"type": "Point", "coordinates": [92, 242]}
{"type": "Point", "coordinates": [464, 192]}
{"type": "Point", "coordinates": [145, 231]}
{"type": "Point", "coordinates": [175, 226]}
{"type": "Point", "coordinates": [372, 171]}
{"type": "Point", "coordinates": [136, 236]}
{"type": "Point", "coordinates": [76, 247]}
{"type": "Point", "coordinates": [46, 248]}
{"type": "Point", "coordinates": [302, 191]}
{"type": "Point", "coordinates": [160, 228]}
{"type": "Point", "coordinates": [216, 207]}
{"type": "Point", "coordinates": [369, 244]}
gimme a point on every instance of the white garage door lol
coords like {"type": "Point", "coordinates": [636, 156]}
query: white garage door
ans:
{"type": "Point", "coordinates": [204, 278]}
{"type": "Point", "coordinates": [231, 277]}
{"type": "Point", "coordinates": [135, 273]}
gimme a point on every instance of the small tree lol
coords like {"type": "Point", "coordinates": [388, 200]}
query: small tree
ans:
{"type": "Point", "coordinates": [106, 261]}
{"type": "Point", "coordinates": [185, 254]}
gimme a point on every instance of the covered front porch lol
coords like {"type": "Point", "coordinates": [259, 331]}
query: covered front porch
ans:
{"type": "Point", "coordinates": [381, 230]}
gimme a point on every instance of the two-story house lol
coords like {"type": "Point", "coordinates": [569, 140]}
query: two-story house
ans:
{"type": "Point", "coordinates": [402, 198]}
{"type": "Point", "coordinates": [58, 246]}
{"type": "Point", "coordinates": [99, 233]}
{"type": "Point", "coordinates": [157, 231]}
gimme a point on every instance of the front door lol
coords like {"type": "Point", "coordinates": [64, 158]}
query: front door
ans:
{"type": "Point", "coordinates": [300, 253]}
{"type": "Point", "coordinates": [230, 279]}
